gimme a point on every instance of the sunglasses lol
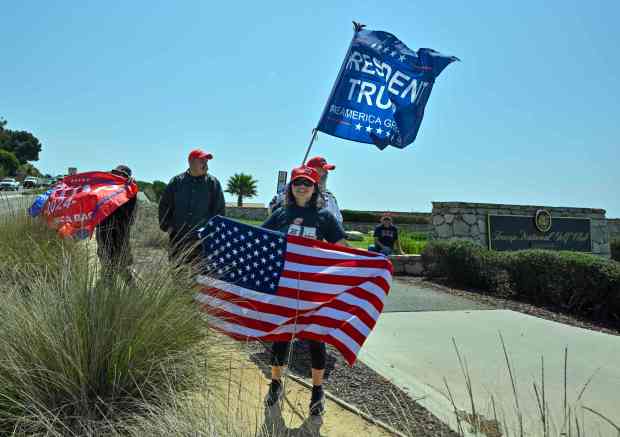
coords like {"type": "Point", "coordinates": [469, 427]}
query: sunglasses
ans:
{"type": "Point", "coordinates": [302, 181]}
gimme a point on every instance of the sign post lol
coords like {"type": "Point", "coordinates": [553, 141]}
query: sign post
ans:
{"type": "Point", "coordinates": [282, 175]}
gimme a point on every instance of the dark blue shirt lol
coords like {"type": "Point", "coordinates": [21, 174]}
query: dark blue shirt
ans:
{"type": "Point", "coordinates": [318, 224]}
{"type": "Point", "coordinates": [387, 236]}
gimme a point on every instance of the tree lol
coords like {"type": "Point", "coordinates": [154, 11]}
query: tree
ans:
{"type": "Point", "coordinates": [22, 144]}
{"type": "Point", "coordinates": [8, 163]}
{"type": "Point", "coordinates": [242, 185]}
{"type": "Point", "coordinates": [158, 188]}
{"type": "Point", "coordinates": [28, 169]}
{"type": "Point", "coordinates": [153, 190]}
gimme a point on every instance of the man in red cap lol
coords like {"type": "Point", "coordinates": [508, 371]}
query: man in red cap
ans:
{"type": "Point", "coordinates": [190, 200]}
{"type": "Point", "coordinates": [322, 167]}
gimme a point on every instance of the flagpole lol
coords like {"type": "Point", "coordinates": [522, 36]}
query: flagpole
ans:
{"type": "Point", "coordinates": [356, 28]}
{"type": "Point", "coordinates": [314, 133]}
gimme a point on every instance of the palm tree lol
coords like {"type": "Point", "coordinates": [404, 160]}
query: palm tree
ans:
{"type": "Point", "coordinates": [243, 185]}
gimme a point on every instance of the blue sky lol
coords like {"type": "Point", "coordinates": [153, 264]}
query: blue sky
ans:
{"type": "Point", "coordinates": [530, 115]}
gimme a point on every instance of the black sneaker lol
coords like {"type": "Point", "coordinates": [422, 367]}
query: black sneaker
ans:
{"type": "Point", "coordinates": [274, 394]}
{"type": "Point", "coordinates": [317, 402]}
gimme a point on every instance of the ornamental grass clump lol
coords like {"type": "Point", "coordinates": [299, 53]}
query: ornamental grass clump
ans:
{"type": "Point", "coordinates": [77, 351]}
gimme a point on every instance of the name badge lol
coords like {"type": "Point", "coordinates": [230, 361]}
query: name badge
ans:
{"type": "Point", "coordinates": [302, 231]}
{"type": "Point", "coordinates": [309, 233]}
{"type": "Point", "coordinates": [295, 230]}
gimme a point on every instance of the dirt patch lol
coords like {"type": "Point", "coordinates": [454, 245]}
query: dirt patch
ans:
{"type": "Point", "coordinates": [245, 390]}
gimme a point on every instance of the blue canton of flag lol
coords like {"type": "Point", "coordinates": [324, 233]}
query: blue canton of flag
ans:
{"type": "Point", "coordinates": [244, 255]}
{"type": "Point", "coordinates": [381, 91]}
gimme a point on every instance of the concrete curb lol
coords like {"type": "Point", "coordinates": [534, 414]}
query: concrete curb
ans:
{"type": "Point", "coordinates": [351, 408]}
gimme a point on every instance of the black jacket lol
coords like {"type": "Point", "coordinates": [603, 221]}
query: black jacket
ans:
{"type": "Point", "coordinates": [113, 232]}
{"type": "Point", "coordinates": [189, 202]}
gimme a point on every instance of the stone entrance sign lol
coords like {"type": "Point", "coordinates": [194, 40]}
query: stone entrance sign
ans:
{"type": "Point", "coordinates": [470, 221]}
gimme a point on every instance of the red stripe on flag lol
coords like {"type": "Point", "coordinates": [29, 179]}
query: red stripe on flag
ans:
{"type": "Point", "coordinates": [324, 297]}
{"type": "Point", "coordinates": [266, 327]}
{"type": "Point", "coordinates": [289, 312]}
{"type": "Point", "coordinates": [352, 281]}
{"type": "Point", "coordinates": [348, 355]}
{"type": "Point", "coordinates": [318, 261]}
{"type": "Point", "coordinates": [252, 304]}
{"type": "Point", "coordinates": [331, 247]}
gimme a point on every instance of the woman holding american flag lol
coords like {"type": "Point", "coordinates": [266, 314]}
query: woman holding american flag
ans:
{"type": "Point", "coordinates": [303, 215]}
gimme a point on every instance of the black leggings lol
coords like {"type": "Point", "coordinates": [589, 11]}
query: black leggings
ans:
{"type": "Point", "coordinates": [318, 354]}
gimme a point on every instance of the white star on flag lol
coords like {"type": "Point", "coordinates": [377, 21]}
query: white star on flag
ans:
{"type": "Point", "coordinates": [358, 126]}
{"type": "Point", "coordinates": [401, 58]}
{"type": "Point", "coordinates": [379, 130]}
{"type": "Point", "coordinates": [368, 129]}
{"type": "Point", "coordinates": [393, 53]}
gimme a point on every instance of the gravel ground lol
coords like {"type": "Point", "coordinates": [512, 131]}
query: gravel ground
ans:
{"type": "Point", "coordinates": [554, 314]}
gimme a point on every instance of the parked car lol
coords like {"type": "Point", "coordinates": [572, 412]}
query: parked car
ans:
{"type": "Point", "coordinates": [9, 184]}
{"type": "Point", "coordinates": [31, 182]}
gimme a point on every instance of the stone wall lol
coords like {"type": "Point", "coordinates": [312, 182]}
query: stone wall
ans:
{"type": "Point", "coordinates": [407, 265]}
{"type": "Point", "coordinates": [468, 221]}
{"type": "Point", "coordinates": [246, 213]}
{"type": "Point", "coordinates": [614, 229]}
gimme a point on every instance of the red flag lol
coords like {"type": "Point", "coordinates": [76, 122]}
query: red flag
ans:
{"type": "Point", "coordinates": [80, 202]}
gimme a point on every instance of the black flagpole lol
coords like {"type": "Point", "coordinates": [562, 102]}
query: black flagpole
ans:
{"type": "Point", "coordinates": [356, 28]}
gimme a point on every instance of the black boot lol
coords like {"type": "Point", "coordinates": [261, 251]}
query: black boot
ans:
{"type": "Point", "coordinates": [317, 402]}
{"type": "Point", "coordinates": [274, 394]}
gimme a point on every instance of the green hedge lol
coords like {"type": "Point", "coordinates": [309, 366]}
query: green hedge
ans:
{"type": "Point", "coordinates": [412, 242]}
{"type": "Point", "coordinates": [578, 283]}
{"type": "Point", "coordinates": [373, 217]}
{"type": "Point", "coordinates": [615, 249]}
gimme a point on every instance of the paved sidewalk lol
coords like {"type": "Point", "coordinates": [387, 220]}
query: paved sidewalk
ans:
{"type": "Point", "coordinates": [415, 350]}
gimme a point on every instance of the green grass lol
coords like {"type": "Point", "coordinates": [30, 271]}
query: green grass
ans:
{"type": "Point", "coordinates": [411, 243]}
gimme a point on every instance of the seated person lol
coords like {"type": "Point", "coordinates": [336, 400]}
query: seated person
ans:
{"type": "Point", "coordinates": [386, 237]}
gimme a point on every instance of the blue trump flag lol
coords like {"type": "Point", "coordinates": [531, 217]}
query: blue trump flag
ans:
{"type": "Point", "coordinates": [381, 91]}
{"type": "Point", "coordinates": [39, 203]}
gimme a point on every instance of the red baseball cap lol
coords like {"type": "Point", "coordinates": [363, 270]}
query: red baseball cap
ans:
{"type": "Point", "coordinates": [199, 154]}
{"type": "Point", "coordinates": [320, 162]}
{"type": "Point", "coordinates": [306, 173]}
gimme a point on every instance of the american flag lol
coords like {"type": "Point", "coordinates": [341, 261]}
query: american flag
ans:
{"type": "Point", "coordinates": [265, 285]}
